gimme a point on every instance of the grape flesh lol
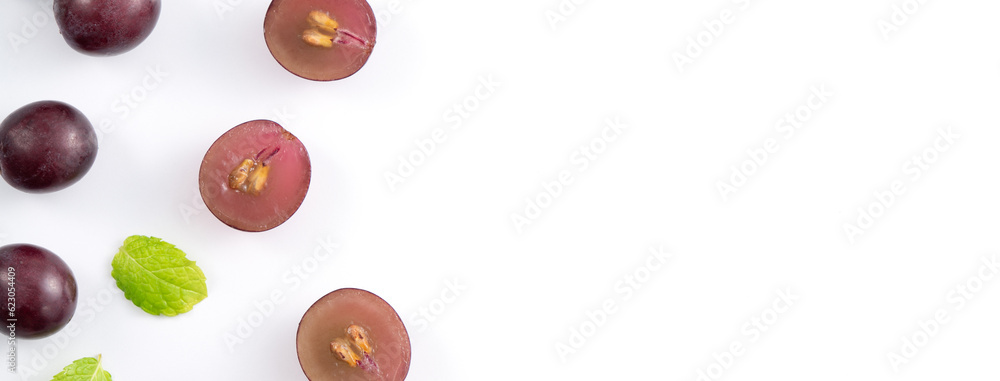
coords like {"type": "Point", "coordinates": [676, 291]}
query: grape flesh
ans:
{"type": "Point", "coordinates": [46, 146]}
{"type": "Point", "coordinates": [43, 289]}
{"type": "Point", "coordinates": [255, 176]}
{"type": "Point", "coordinates": [105, 27]}
{"type": "Point", "coordinates": [321, 40]}
{"type": "Point", "coordinates": [353, 334]}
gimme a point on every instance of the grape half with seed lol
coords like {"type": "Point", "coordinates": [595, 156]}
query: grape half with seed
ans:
{"type": "Point", "coordinates": [353, 334]}
{"type": "Point", "coordinates": [255, 176]}
{"type": "Point", "coordinates": [321, 40]}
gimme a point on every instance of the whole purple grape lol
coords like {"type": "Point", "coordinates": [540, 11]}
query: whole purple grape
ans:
{"type": "Point", "coordinates": [40, 290]}
{"type": "Point", "coordinates": [106, 27]}
{"type": "Point", "coordinates": [46, 146]}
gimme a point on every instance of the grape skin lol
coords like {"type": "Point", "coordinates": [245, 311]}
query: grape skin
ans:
{"type": "Point", "coordinates": [46, 146]}
{"type": "Point", "coordinates": [105, 27]}
{"type": "Point", "coordinates": [44, 290]}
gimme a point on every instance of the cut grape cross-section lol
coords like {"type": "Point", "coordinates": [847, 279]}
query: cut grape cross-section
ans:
{"type": "Point", "coordinates": [321, 40]}
{"type": "Point", "coordinates": [255, 176]}
{"type": "Point", "coordinates": [353, 334]}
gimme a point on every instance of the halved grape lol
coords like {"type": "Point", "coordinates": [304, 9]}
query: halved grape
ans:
{"type": "Point", "coordinates": [255, 176]}
{"type": "Point", "coordinates": [105, 27]}
{"type": "Point", "coordinates": [321, 40]}
{"type": "Point", "coordinates": [46, 146]}
{"type": "Point", "coordinates": [352, 334]}
{"type": "Point", "coordinates": [43, 293]}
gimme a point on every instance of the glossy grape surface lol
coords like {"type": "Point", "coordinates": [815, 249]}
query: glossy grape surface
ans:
{"type": "Point", "coordinates": [106, 27]}
{"type": "Point", "coordinates": [46, 146]}
{"type": "Point", "coordinates": [43, 290]}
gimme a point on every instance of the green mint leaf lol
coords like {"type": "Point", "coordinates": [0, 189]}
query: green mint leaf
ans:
{"type": "Point", "coordinates": [157, 276]}
{"type": "Point", "coordinates": [85, 369]}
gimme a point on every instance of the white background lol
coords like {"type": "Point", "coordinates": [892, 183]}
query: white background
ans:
{"type": "Point", "coordinates": [522, 294]}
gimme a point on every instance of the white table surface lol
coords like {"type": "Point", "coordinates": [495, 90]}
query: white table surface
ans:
{"type": "Point", "coordinates": [485, 298]}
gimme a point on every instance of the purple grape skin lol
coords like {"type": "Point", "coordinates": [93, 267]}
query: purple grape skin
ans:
{"type": "Point", "coordinates": [105, 27]}
{"type": "Point", "coordinates": [44, 290]}
{"type": "Point", "coordinates": [46, 146]}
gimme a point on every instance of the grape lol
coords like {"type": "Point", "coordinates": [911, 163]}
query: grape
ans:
{"type": "Point", "coordinates": [321, 40]}
{"type": "Point", "coordinates": [255, 176]}
{"type": "Point", "coordinates": [352, 334]}
{"type": "Point", "coordinates": [106, 27]}
{"type": "Point", "coordinates": [46, 146]}
{"type": "Point", "coordinates": [44, 290]}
